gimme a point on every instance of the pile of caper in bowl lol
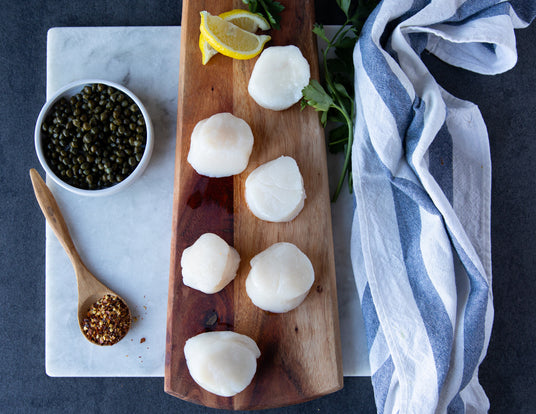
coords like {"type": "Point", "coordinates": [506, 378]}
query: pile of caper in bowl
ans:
{"type": "Point", "coordinates": [93, 137]}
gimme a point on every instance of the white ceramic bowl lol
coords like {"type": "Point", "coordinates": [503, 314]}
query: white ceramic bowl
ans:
{"type": "Point", "coordinates": [71, 90]}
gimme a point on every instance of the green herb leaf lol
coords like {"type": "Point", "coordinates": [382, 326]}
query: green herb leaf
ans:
{"type": "Point", "coordinates": [338, 66]}
{"type": "Point", "coordinates": [318, 30]}
{"type": "Point", "coordinates": [336, 117]}
{"type": "Point", "coordinates": [341, 90]}
{"type": "Point", "coordinates": [324, 118]}
{"type": "Point", "coordinates": [345, 42]}
{"type": "Point", "coordinates": [335, 100]}
{"type": "Point", "coordinates": [316, 96]}
{"type": "Point", "coordinates": [252, 4]}
{"type": "Point", "coordinates": [269, 9]}
{"type": "Point", "coordinates": [344, 5]}
{"type": "Point", "coordinates": [338, 138]}
{"type": "Point", "coordinates": [361, 13]}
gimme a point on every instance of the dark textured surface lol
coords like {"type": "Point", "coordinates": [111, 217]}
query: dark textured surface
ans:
{"type": "Point", "coordinates": [508, 104]}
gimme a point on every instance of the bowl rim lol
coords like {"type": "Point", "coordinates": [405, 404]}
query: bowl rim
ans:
{"type": "Point", "coordinates": [75, 87]}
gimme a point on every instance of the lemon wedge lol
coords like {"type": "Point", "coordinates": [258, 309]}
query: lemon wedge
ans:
{"type": "Point", "coordinates": [207, 51]}
{"type": "Point", "coordinates": [250, 22]}
{"type": "Point", "coordinates": [229, 39]}
{"type": "Point", "coordinates": [244, 19]}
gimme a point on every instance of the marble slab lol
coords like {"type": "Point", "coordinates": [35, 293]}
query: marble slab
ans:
{"type": "Point", "coordinates": [125, 238]}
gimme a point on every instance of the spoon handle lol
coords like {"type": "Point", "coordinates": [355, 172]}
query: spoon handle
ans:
{"type": "Point", "coordinates": [55, 219]}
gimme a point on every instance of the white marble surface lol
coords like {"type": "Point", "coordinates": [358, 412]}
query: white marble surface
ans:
{"type": "Point", "coordinates": [125, 238]}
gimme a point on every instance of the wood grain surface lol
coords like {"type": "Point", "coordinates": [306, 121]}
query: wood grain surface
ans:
{"type": "Point", "coordinates": [300, 350]}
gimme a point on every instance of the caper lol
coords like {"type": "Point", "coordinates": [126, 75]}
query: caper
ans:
{"type": "Point", "coordinates": [95, 138]}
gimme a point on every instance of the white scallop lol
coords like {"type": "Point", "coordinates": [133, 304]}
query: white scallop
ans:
{"type": "Point", "coordinates": [278, 77]}
{"type": "Point", "coordinates": [280, 278]}
{"type": "Point", "coordinates": [222, 362]}
{"type": "Point", "coordinates": [209, 264]}
{"type": "Point", "coordinates": [220, 146]}
{"type": "Point", "coordinates": [275, 191]}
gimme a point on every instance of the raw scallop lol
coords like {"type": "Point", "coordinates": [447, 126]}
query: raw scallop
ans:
{"type": "Point", "coordinates": [222, 362]}
{"type": "Point", "coordinates": [209, 264]}
{"type": "Point", "coordinates": [278, 77]}
{"type": "Point", "coordinates": [220, 146]}
{"type": "Point", "coordinates": [274, 191]}
{"type": "Point", "coordinates": [280, 278]}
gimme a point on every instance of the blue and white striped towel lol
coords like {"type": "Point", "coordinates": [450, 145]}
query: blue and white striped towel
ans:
{"type": "Point", "coordinates": [422, 178]}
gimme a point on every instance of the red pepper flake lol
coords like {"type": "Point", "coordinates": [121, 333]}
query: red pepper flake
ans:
{"type": "Point", "coordinates": [107, 321]}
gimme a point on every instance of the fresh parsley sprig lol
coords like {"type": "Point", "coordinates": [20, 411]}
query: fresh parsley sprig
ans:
{"type": "Point", "coordinates": [335, 100]}
{"type": "Point", "coordinates": [269, 9]}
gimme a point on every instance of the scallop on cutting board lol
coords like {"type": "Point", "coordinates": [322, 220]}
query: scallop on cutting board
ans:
{"type": "Point", "coordinates": [300, 350]}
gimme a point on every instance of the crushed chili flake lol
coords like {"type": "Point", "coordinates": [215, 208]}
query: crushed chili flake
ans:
{"type": "Point", "coordinates": [107, 321]}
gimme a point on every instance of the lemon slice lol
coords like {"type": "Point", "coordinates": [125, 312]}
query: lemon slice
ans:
{"type": "Point", "coordinates": [229, 39]}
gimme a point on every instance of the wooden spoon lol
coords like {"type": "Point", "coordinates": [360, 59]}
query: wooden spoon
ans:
{"type": "Point", "coordinates": [90, 289]}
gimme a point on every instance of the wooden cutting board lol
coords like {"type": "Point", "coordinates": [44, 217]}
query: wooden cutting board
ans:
{"type": "Point", "coordinates": [300, 350]}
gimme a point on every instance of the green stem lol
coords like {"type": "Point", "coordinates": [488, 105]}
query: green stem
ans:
{"type": "Point", "coordinates": [327, 74]}
{"type": "Point", "coordinates": [338, 141]}
{"type": "Point", "coordinates": [347, 154]}
{"type": "Point", "coordinates": [338, 105]}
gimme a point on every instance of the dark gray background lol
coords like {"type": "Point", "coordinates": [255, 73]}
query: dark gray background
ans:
{"type": "Point", "coordinates": [508, 105]}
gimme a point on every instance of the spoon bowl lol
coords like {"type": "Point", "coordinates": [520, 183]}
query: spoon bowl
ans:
{"type": "Point", "coordinates": [90, 289]}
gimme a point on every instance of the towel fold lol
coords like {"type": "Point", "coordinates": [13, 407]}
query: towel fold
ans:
{"type": "Point", "coordinates": [421, 248]}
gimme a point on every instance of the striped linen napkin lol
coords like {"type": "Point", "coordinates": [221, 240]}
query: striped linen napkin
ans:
{"type": "Point", "coordinates": [421, 249]}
